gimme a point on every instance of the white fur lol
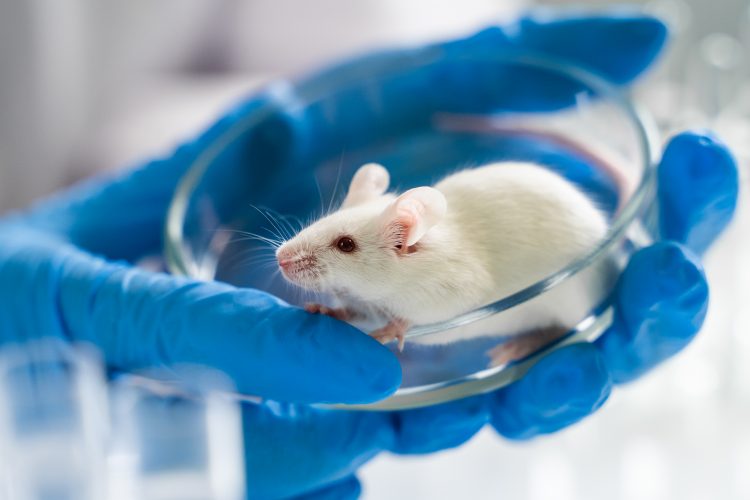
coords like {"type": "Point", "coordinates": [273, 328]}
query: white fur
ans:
{"type": "Point", "coordinates": [506, 226]}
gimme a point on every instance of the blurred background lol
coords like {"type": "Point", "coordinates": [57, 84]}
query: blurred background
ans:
{"type": "Point", "coordinates": [89, 86]}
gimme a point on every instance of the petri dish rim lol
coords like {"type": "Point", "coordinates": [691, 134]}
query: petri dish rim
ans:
{"type": "Point", "coordinates": [178, 260]}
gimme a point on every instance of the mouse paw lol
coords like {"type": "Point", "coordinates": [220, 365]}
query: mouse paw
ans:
{"type": "Point", "coordinates": [394, 330]}
{"type": "Point", "coordinates": [338, 313]}
{"type": "Point", "coordinates": [519, 347]}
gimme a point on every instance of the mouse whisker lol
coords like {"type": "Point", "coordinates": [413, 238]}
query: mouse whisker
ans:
{"type": "Point", "coordinates": [291, 221]}
{"type": "Point", "coordinates": [255, 237]}
{"type": "Point", "coordinates": [320, 193]}
{"type": "Point", "coordinates": [245, 257]}
{"type": "Point", "coordinates": [285, 229]}
{"type": "Point", "coordinates": [250, 255]}
{"type": "Point", "coordinates": [286, 225]}
{"type": "Point", "coordinates": [249, 235]}
{"type": "Point", "coordinates": [274, 243]}
{"type": "Point", "coordinates": [269, 217]}
{"type": "Point", "coordinates": [336, 184]}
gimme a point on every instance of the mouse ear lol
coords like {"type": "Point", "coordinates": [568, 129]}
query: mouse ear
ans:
{"type": "Point", "coordinates": [369, 182]}
{"type": "Point", "coordinates": [412, 214]}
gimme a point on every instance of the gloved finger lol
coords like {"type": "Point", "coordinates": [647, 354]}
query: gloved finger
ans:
{"type": "Point", "coordinates": [389, 94]}
{"type": "Point", "coordinates": [123, 217]}
{"type": "Point", "coordinates": [698, 189]}
{"type": "Point", "coordinates": [434, 428]}
{"type": "Point", "coordinates": [292, 449]}
{"type": "Point", "coordinates": [346, 489]}
{"type": "Point", "coordinates": [141, 319]}
{"type": "Point", "coordinates": [617, 45]}
{"type": "Point", "coordinates": [660, 305]}
{"type": "Point", "coordinates": [559, 390]}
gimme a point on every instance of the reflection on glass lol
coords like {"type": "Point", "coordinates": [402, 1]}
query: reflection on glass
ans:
{"type": "Point", "coordinates": [53, 423]}
{"type": "Point", "coordinates": [180, 439]}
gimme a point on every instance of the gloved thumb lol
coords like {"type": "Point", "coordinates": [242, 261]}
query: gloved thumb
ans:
{"type": "Point", "coordinates": [142, 319]}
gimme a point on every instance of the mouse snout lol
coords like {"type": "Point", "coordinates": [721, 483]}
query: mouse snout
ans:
{"type": "Point", "coordinates": [296, 266]}
{"type": "Point", "coordinates": [285, 257]}
{"type": "Point", "coordinates": [284, 263]}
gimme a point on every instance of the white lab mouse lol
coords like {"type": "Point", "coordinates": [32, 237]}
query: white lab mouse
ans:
{"type": "Point", "coordinates": [433, 253]}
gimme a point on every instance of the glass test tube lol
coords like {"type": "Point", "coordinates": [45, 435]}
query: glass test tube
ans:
{"type": "Point", "coordinates": [53, 422]}
{"type": "Point", "coordinates": [177, 440]}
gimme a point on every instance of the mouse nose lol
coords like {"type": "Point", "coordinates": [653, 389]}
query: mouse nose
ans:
{"type": "Point", "coordinates": [284, 257]}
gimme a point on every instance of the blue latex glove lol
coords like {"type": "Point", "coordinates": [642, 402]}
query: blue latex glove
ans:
{"type": "Point", "coordinates": [660, 299]}
{"type": "Point", "coordinates": [58, 277]}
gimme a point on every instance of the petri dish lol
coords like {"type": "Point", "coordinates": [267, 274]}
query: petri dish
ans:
{"type": "Point", "coordinates": [285, 159]}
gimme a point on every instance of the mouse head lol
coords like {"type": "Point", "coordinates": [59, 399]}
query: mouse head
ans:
{"type": "Point", "coordinates": [371, 237]}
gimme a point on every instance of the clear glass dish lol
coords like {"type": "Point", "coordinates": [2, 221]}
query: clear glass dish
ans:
{"type": "Point", "coordinates": [527, 108]}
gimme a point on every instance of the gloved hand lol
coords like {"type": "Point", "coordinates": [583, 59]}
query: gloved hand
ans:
{"type": "Point", "coordinates": [660, 299]}
{"type": "Point", "coordinates": [59, 277]}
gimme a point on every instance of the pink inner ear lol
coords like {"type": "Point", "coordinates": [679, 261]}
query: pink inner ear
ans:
{"type": "Point", "coordinates": [400, 228]}
{"type": "Point", "coordinates": [411, 215]}
{"type": "Point", "coordinates": [403, 226]}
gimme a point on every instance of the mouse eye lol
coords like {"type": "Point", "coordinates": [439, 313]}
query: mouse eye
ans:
{"type": "Point", "coordinates": [346, 244]}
